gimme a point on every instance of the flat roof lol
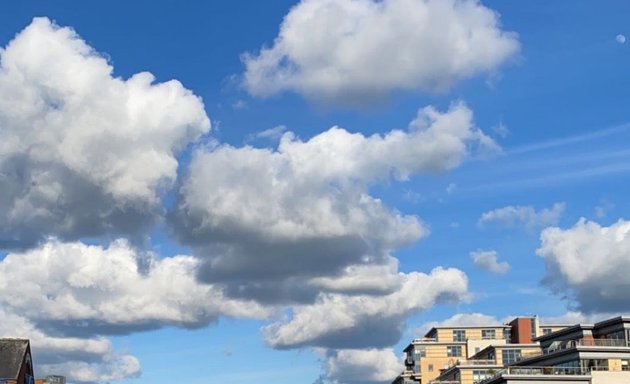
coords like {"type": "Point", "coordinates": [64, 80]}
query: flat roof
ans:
{"type": "Point", "coordinates": [466, 327]}
{"type": "Point", "coordinates": [565, 331]}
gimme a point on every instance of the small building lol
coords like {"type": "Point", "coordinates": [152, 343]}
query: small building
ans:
{"type": "Point", "coordinates": [51, 379]}
{"type": "Point", "coordinates": [16, 365]}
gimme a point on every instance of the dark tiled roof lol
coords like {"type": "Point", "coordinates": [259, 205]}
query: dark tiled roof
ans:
{"type": "Point", "coordinates": [12, 353]}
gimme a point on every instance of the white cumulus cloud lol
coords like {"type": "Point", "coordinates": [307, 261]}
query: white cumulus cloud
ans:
{"type": "Point", "coordinates": [488, 260]}
{"type": "Point", "coordinates": [344, 321]}
{"type": "Point", "coordinates": [84, 153]}
{"type": "Point", "coordinates": [265, 220]}
{"type": "Point", "coordinates": [362, 366]}
{"type": "Point", "coordinates": [70, 356]}
{"type": "Point", "coordinates": [77, 293]}
{"type": "Point", "coordinates": [82, 289]}
{"type": "Point", "coordinates": [522, 216]}
{"type": "Point", "coordinates": [351, 51]}
{"type": "Point", "coordinates": [588, 262]}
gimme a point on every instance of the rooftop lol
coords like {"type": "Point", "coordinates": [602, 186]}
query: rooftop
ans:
{"type": "Point", "coordinates": [12, 353]}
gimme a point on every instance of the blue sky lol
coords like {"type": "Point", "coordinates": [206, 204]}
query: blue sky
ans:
{"type": "Point", "coordinates": [300, 187]}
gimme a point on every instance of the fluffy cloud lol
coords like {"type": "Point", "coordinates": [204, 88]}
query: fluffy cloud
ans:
{"type": "Point", "coordinates": [522, 216]}
{"type": "Point", "coordinates": [79, 359]}
{"type": "Point", "coordinates": [588, 262]}
{"type": "Point", "coordinates": [305, 211]}
{"type": "Point", "coordinates": [79, 290]}
{"type": "Point", "coordinates": [488, 260]}
{"type": "Point", "coordinates": [356, 50]}
{"type": "Point", "coordinates": [363, 279]}
{"type": "Point", "coordinates": [77, 293]}
{"type": "Point", "coordinates": [355, 366]}
{"type": "Point", "coordinates": [84, 153]}
{"type": "Point", "coordinates": [576, 317]}
{"type": "Point", "coordinates": [359, 321]}
{"type": "Point", "coordinates": [459, 319]}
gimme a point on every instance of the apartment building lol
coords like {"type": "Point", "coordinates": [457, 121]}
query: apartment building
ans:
{"type": "Point", "coordinates": [487, 362]}
{"type": "Point", "coordinates": [580, 354]}
{"type": "Point", "coordinates": [444, 347]}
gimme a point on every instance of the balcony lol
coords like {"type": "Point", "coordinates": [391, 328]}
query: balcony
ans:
{"type": "Point", "coordinates": [475, 362]}
{"type": "Point", "coordinates": [535, 371]}
{"type": "Point", "coordinates": [425, 340]}
{"type": "Point", "coordinates": [569, 344]}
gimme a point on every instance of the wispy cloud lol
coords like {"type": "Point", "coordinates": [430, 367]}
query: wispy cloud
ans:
{"type": "Point", "coordinates": [522, 216]}
{"type": "Point", "coordinates": [569, 140]}
{"type": "Point", "coordinates": [272, 134]}
{"type": "Point", "coordinates": [574, 159]}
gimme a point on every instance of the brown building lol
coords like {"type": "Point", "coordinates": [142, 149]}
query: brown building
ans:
{"type": "Point", "coordinates": [16, 365]}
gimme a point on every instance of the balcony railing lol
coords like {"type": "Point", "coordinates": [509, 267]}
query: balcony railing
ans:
{"type": "Point", "coordinates": [425, 340]}
{"type": "Point", "coordinates": [533, 371]}
{"type": "Point", "coordinates": [476, 362]}
{"type": "Point", "coordinates": [602, 342]}
{"type": "Point", "coordinates": [568, 344]}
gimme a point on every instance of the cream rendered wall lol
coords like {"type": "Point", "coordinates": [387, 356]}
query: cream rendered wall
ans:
{"type": "Point", "coordinates": [438, 363]}
{"type": "Point", "coordinates": [446, 334]}
{"type": "Point", "coordinates": [607, 377]}
{"type": "Point", "coordinates": [481, 344]}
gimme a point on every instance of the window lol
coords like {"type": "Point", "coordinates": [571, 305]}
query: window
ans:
{"type": "Point", "coordinates": [488, 334]}
{"type": "Point", "coordinates": [430, 367]}
{"type": "Point", "coordinates": [568, 364]}
{"type": "Point", "coordinates": [619, 335]}
{"type": "Point", "coordinates": [596, 364]}
{"type": "Point", "coordinates": [511, 356]}
{"type": "Point", "coordinates": [479, 375]}
{"type": "Point", "coordinates": [546, 331]}
{"type": "Point", "coordinates": [419, 352]}
{"type": "Point", "coordinates": [453, 350]}
{"type": "Point", "coordinates": [459, 335]}
{"type": "Point", "coordinates": [507, 335]}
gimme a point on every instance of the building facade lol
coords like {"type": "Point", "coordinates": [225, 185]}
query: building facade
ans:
{"type": "Point", "coordinates": [583, 353]}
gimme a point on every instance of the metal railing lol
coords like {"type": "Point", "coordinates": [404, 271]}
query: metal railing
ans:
{"type": "Point", "coordinates": [568, 344]}
{"type": "Point", "coordinates": [533, 371]}
{"type": "Point", "coordinates": [602, 342]}
{"type": "Point", "coordinates": [425, 339]}
{"type": "Point", "coordinates": [475, 362]}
